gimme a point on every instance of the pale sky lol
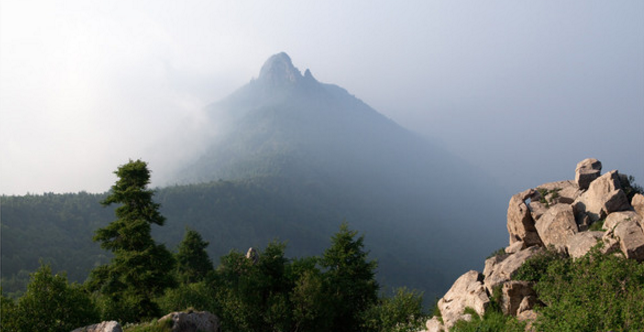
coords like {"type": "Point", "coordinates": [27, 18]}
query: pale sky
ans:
{"type": "Point", "coordinates": [524, 89]}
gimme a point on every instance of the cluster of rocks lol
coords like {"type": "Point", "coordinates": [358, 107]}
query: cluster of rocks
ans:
{"type": "Point", "coordinates": [190, 321]}
{"type": "Point", "coordinates": [556, 215]}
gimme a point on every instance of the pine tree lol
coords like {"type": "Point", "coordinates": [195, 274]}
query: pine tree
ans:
{"type": "Point", "coordinates": [350, 279]}
{"type": "Point", "coordinates": [193, 263]}
{"type": "Point", "coordinates": [140, 269]}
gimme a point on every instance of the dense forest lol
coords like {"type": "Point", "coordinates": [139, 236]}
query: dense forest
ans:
{"type": "Point", "coordinates": [260, 290]}
{"type": "Point", "coordinates": [58, 228]}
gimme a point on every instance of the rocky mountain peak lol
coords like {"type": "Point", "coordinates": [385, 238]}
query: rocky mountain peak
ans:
{"type": "Point", "coordinates": [279, 70]}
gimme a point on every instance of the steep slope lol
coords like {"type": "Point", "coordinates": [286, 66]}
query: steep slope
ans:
{"type": "Point", "coordinates": [387, 181]}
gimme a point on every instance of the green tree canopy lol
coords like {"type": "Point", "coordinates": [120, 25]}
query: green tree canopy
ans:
{"type": "Point", "coordinates": [140, 269]}
{"type": "Point", "coordinates": [50, 304]}
{"type": "Point", "coordinates": [350, 279]}
{"type": "Point", "coordinates": [193, 263]}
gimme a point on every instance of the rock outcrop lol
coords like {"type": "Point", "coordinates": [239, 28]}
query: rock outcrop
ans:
{"type": "Point", "coordinates": [109, 326]}
{"type": "Point", "coordinates": [193, 321]}
{"type": "Point", "coordinates": [556, 215]}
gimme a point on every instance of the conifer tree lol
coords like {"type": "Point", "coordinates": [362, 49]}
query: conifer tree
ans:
{"type": "Point", "coordinates": [140, 269]}
{"type": "Point", "coordinates": [193, 263]}
{"type": "Point", "coordinates": [350, 279]}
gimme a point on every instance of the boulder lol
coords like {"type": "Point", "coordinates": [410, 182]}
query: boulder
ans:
{"type": "Point", "coordinates": [519, 220]}
{"type": "Point", "coordinates": [512, 295]}
{"type": "Point", "coordinates": [613, 219]}
{"type": "Point", "coordinates": [252, 255]}
{"type": "Point", "coordinates": [557, 192]}
{"type": "Point", "coordinates": [434, 325]}
{"type": "Point", "coordinates": [556, 225]}
{"type": "Point", "coordinates": [586, 171]}
{"type": "Point", "coordinates": [109, 326]}
{"type": "Point", "coordinates": [638, 204]}
{"type": "Point", "coordinates": [467, 291]}
{"type": "Point", "coordinates": [580, 244]}
{"type": "Point", "coordinates": [497, 272]}
{"type": "Point", "coordinates": [528, 316]}
{"type": "Point", "coordinates": [631, 239]}
{"type": "Point", "coordinates": [515, 247]}
{"type": "Point", "coordinates": [604, 196]}
{"type": "Point", "coordinates": [193, 321]}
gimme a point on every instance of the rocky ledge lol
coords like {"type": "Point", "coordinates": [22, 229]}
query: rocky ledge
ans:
{"type": "Point", "coordinates": [568, 216]}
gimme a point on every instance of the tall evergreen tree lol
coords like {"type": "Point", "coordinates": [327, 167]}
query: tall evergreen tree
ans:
{"type": "Point", "coordinates": [350, 279]}
{"type": "Point", "coordinates": [140, 269]}
{"type": "Point", "coordinates": [193, 263]}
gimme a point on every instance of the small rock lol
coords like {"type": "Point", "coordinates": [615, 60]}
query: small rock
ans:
{"type": "Point", "coordinates": [638, 204]}
{"type": "Point", "coordinates": [193, 321]}
{"type": "Point", "coordinates": [512, 295]}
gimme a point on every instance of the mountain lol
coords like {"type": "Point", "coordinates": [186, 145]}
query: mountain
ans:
{"type": "Point", "coordinates": [287, 157]}
{"type": "Point", "coordinates": [396, 186]}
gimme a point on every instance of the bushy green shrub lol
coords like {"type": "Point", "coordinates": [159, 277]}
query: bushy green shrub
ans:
{"type": "Point", "coordinates": [401, 313]}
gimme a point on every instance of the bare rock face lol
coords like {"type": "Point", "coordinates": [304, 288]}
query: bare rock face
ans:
{"type": "Point", "coordinates": [111, 326]}
{"type": "Point", "coordinates": [467, 291]}
{"type": "Point", "coordinates": [587, 170]}
{"type": "Point", "coordinates": [638, 204]}
{"type": "Point", "coordinates": [604, 196]}
{"type": "Point", "coordinates": [580, 244]}
{"type": "Point", "coordinates": [193, 321]}
{"type": "Point", "coordinates": [520, 222]}
{"type": "Point", "coordinates": [556, 225]}
{"type": "Point", "coordinates": [512, 295]}
{"type": "Point", "coordinates": [499, 272]}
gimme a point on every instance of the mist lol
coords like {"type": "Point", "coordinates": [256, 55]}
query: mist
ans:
{"type": "Point", "coordinates": [522, 90]}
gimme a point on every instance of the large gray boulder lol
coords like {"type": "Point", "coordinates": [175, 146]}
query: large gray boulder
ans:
{"type": "Point", "coordinates": [587, 170]}
{"type": "Point", "coordinates": [580, 244]}
{"type": "Point", "coordinates": [501, 269]}
{"type": "Point", "coordinates": [109, 326]}
{"type": "Point", "coordinates": [467, 291]}
{"type": "Point", "coordinates": [519, 220]}
{"type": "Point", "coordinates": [613, 219]}
{"type": "Point", "coordinates": [556, 225]}
{"type": "Point", "coordinates": [638, 204]}
{"type": "Point", "coordinates": [193, 321]}
{"type": "Point", "coordinates": [631, 239]}
{"type": "Point", "coordinates": [604, 196]}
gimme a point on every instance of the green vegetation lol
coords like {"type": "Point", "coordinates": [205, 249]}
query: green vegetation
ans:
{"type": "Point", "coordinates": [544, 193]}
{"type": "Point", "coordinates": [49, 304]}
{"type": "Point", "coordinates": [594, 293]}
{"type": "Point", "coordinates": [139, 270]}
{"type": "Point", "coordinates": [336, 291]}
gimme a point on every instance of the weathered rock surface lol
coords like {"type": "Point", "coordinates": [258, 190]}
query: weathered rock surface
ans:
{"type": "Point", "coordinates": [515, 247]}
{"type": "Point", "coordinates": [580, 244]}
{"type": "Point", "coordinates": [638, 204]}
{"type": "Point", "coordinates": [434, 325]}
{"type": "Point", "coordinates": [467, 291]}
{"type": "Point", "coordinates": [109, 326]}
{"type": "Point", "coordinates": [520, 222]}
{"type": "Point", "coordinates": [497, 272]}
{"type": "Point", "coordinates": [512, 295]}
{"type": "Point", "coordinates": [556, 225]}
{"type": "Point", "coordinates": [604, 196]}
{"type": "Point", "coordinates": [613, 219]}
{"type": "Point", "coordinates": [587, 170]}
{"type": "Point", "coordinates": [193, 321]}
{"type": "Point", "coordinates": [631, 239]}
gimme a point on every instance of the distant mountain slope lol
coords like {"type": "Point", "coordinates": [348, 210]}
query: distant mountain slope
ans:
{"type": "Point", "coordinates": [290, 158]}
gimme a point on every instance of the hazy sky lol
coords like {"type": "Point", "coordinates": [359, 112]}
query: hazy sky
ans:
{"type": "Point", "coordinates": [525, 89]}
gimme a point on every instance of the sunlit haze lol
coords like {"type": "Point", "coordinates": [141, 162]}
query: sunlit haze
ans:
{"type": "Point", "coordinates": [524, 90]}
